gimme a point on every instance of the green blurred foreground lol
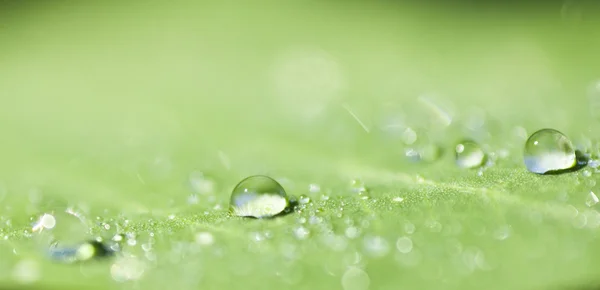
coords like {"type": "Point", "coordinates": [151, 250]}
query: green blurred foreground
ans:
{"type": "Point", "coordinates": [140, 118]}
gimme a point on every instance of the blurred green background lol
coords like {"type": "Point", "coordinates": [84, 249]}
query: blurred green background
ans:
{"type": "Point", "coordinates": [110, 107]}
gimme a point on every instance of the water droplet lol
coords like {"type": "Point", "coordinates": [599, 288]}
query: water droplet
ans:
{"type": "Point", "coordinates": [398, 199]}
{"type": "Point", "coordinates": [352, 232]}
{"type": "Point", "coordinates": [201, 184]}
{"type": "Point", "coordinates": [409, 228]}
{"type": "Point", "coordinates": [503, 232]}
{"type": "Point", "coordinates": [355, 279]}
{"type": "Point", "coordinates": [204, 239]}
{"type": "Point", "coordinates": [409, 136]}
{"type": "Point", "coordinates": [549, 150]}
{"type": "Point", "coordinates": [376, 246]}
{"type": "Point", "coordinates": [258, 196]}
{"type": "Point", "coordinates": [591, 199]}
{"type": "Point", "coordinates": [314, 188]}
{"type": "Point", "coordinates": [358, 186]}
{"type": "Point", "coordinates": [404, 245]}
{"type": "Point", "coordinates": [301, 233]}
{"type": "Point", "coordinates": [426, 153]}
{"type": "Point", "coordinates": [304, 199]}
{"type": "Point", "coordinates": [469, 155]}
{"type": "Point", "coordinates": [66, 226]}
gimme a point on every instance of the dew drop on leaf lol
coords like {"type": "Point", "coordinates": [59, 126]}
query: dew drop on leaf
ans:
{"type": "Point", "coordinates": [549, 150]}
{"type": "Point", "coordinates": [258, 196]}
{"type": "Point", "coordinates": [469, 155]}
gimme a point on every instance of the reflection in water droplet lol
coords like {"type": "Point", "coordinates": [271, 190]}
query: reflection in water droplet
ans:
{"type": "Point", "coordinates": [549, 150]}
{"type": "Point", "coordinates": [258, 196]}
{"type": "Point", "coordinates": [355, 279]}
{"type": "Point", "coordinates": [469, 155]}
{"type": "Point", "coordinates": [79, 253]}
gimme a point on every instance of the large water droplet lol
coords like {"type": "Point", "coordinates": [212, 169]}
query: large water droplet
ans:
{"type": "Point", "coordinates": [549, 150]}
{"type": "Point", "coordinates": [62, 226]}
{"type": "Point", "coordinates": [469, 155]}
{"type": "Point", "coordinates": [258, 196]}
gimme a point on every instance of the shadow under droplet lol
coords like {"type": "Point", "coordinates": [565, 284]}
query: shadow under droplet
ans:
{"type": "Point", "coordinates": [101, 250]}
{"type": "Point", "coordinates": [293, 203]}
{"type": "Point", "coordinates": [582, 161]}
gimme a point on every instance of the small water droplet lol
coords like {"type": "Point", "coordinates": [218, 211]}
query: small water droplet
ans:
{"type": "Point", "coordinates": [376, 246]}
{"type": "Point", "coordinates": [352, 232]}
{"type": "Point", "coordinates": [200, 183]}
{"type": "Point", "coordinates": [502, 233]}
{"type": "Point", "coordinates": [425, 153]}
{"type": "Point", "coordinates": [204, 239]}
{"type": "Point", "coordinates": [586, 173]}
{"type": "Point", "coordinates": [549, 150]}
{"type": "Point", "coordinates": [404, 245]}
{"type": "Point", "coordinates": [304, 199]}
{"type": "Point", "coordinates": [258, 196]}
{"type": "Point", "coordinates": [469, 155]}
{"type": "Point", "coordinates": [409, 136]}
{"type": "Point", "coordinates": [398, 199]}
{"type": "Point", "coordinates": [314, 188]}
{"type": "Point", "coordinates": [358, 186]}
{"type": "Point", "coordinates": [409, 228]}
{"type": "Point", "coordinates": [591, 199]}
{"type": "Point", "coordinates": [301, 233]}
